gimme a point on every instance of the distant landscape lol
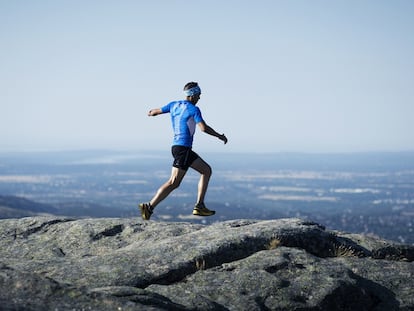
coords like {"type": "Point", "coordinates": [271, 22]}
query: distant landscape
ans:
{"type": "Point", "coordinates": [370, 193]}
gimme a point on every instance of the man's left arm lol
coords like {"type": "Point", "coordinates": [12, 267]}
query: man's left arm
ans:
{"type": "Point", "coordinates": [209, 130]}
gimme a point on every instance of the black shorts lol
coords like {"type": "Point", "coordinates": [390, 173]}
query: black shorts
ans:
{"type": "Point", "coordinates": [183, 157]}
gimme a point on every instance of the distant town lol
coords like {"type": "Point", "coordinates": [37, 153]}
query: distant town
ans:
{"type": "Point", "coordinates": [369, 193]}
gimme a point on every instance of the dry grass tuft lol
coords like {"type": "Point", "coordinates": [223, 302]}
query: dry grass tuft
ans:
{"type": "Point", "coordinates": [274, 243]}
{"type": "Point", "coordinates": [345, 251]}
{"type": "Point", "coordinates": [200, 264]}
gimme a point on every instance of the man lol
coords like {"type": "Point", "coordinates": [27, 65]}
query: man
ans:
{"type": "Point", "coordinates": [184, 117]}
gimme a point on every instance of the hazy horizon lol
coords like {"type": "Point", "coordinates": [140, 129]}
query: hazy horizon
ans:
{"type": "Point", "coordinates": [364, 192]}
{"type": "Point", "coordinates": [201, 150]}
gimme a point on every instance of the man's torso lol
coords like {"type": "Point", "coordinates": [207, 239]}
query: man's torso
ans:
{"type": "Point", "coordinates": [184, 117]}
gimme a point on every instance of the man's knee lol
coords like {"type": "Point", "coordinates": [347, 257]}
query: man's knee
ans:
{"type": "Point", "coordinates": [177, 176]}
{"type": "Point", "coordinates": [174, 183]}
{"type": "Point", "coordinates": [208, 171]}
{"type": "Point", "coordinates": [202, 167]}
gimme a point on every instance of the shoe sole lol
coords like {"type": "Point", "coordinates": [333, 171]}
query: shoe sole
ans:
{"type": "Point", "coordinates": [199, 214]}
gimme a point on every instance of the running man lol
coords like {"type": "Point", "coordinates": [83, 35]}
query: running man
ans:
{"type": "Point", "coordinates": [184, 117]}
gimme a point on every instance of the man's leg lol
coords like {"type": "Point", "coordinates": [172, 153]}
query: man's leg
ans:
{"type": "Point", "coordinates": [205, 170]}
{"type": "Point", "coordinates": [177, 175]}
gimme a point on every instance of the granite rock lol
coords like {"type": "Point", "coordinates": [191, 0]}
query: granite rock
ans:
{"type": "Point", "coordinates": [59, 263]}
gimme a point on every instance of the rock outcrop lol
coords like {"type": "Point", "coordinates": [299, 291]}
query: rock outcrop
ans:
{"type": "Point", "coordinates": [52, 263]}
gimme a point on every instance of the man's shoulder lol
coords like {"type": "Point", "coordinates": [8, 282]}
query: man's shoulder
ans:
{"type": "Point", "coordinates": [171, 104]}
{"type": "Point", "coordinates": [179, 102]}
{"type": "Point", "coordinates": [184, 105]}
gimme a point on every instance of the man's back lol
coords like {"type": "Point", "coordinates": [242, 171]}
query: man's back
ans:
{"type": "Point", "coordinates": [184, 117]}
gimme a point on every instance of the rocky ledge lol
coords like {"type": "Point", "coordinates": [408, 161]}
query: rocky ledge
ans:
{"type": "Point", "coordinates": [124, 264]}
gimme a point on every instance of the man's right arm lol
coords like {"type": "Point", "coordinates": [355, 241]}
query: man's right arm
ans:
{"type": "Point", "coordinates": [154, 112]}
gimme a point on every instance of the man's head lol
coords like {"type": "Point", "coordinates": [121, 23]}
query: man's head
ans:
{"type": "Point", "coordinates": [192, 92]}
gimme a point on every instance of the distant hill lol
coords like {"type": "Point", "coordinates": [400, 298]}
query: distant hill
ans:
{"type": "Point", "coordinates": [17, 207]}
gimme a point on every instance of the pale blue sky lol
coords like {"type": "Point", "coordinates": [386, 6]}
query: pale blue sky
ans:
{"type": "Point", "coordinates": [309, 76]}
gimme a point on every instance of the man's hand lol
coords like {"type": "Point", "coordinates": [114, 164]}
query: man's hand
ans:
{"type": "Point", "coordinates": [209, 130]}
{"type": "Point", "coordinates": [223, 138]}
